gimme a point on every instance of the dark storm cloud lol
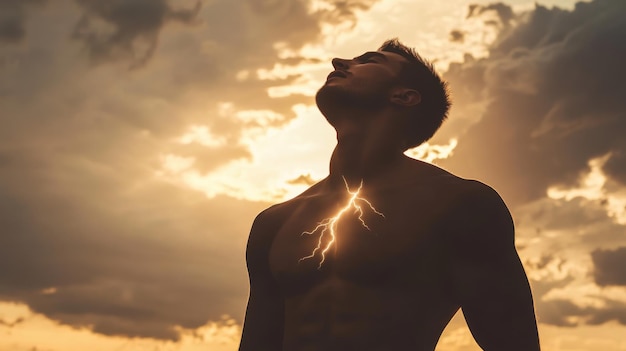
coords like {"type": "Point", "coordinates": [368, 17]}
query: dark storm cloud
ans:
{"type": "Point", "coordinates": [556, 100]}
{"type": "Point", "coordinates": [90, 237]}
{"type": "Point", "coordinates": [12, 18]}
{"type": "Point", "coordinates": [547, 99]}
{"type": "Point", "coordinates": [131, 27]}
{"type": "Point", "coordinates": [609, 266]}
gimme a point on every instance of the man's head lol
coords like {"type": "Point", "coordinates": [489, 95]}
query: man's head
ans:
{"type": "Point", "coordinates": [395, 77]}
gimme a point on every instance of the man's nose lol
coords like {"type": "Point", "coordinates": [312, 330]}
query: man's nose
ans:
{"type": "Point", "coordinates": [340, 64]}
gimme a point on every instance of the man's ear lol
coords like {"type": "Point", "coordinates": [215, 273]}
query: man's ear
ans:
{"type": "Point", "coordinates": [406, 97]}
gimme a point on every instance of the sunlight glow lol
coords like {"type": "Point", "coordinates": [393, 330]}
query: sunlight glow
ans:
{"type": "Point", "coordinates": [279, 155]}
{"type": "Point", "coordinates": [430, 153]}
{"type": "Point", "coordinates": [203, 136]}
{"type": "Point", "coordinates": [176, 164]}
{"type": "Point", "coordinates": [593, 186]}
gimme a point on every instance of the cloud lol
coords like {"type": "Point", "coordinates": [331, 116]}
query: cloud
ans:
{"type": "Point", "coordinates": [12, 18]}
{"type": "Point", "coordinates": [92, 236]}
{"type": "Point", "coordinates": [565, 313]}
{"type": "Point", "coordinates": [503, 11]}
{"type": "Point", "coordinates": [121, 259]}
{"type": "Point", "coordinates": [341, 11]}
{"type": "Point", "coordinates": [610, 266]}
{"type": "Point", "coordinates": [558, 241]}
{"type": "Point", "coordinates": [457, 36]}
{"type": "Point", "coordinates": [13, 323]}
{"type": "Point", "coordinates": [126, 28]}
{"type": "Point", "coordinates": [554, 97]}
{"type": "Point", "coordinates": [541, 120]}
{"type": "Point", "coordinates": [305, 179]}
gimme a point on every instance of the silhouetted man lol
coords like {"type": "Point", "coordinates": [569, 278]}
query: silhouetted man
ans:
{"type": "Point", "coordinates": [382, 253]}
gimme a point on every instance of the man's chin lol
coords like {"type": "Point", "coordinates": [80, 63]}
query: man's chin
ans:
{"type": "Point", "coordinates": [330, 97]}
{"type": "Point", "coordinates": [332, 91]}
{"type": "Point", "coordinates": [334, 101]}
{"type": "Point", "coordinates": [336, 94]}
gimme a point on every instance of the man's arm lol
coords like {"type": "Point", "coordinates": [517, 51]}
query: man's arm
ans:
{"type": "Point", "coordinates": [490, 281]}
{"type": "Point", "coordinates": [263, 325]}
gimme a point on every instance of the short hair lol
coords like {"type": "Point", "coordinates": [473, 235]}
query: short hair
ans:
{"type": "Point", "coordinates": [420, 75]}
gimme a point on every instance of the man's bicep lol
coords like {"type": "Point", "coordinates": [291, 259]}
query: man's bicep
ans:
{"type": "Point", "coordinates": [483, 243]}
{"type": "Point", "coordinates": [264, 322]}
{"type": "Point", "coordinates": [263, 325]}
{"type": "Point", "coordinates": [500, 312]}
{"type": "Point", "coordinates": [489, 278]}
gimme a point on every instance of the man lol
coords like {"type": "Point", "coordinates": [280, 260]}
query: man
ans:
{"type": "Point", "coordinates": [383, 252]}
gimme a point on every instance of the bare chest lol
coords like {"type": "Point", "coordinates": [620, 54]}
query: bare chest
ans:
{"type": "Point", "coordinates": [364, 240]}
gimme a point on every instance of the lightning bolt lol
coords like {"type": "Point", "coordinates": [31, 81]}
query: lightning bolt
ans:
{"type": "Point", "coordinates": [329, 225]}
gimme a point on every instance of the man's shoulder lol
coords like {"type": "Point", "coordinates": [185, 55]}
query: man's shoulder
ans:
{"type": "Point", "coordinates": [474, 198]}
{"type": "Point", "coordinates": [474, 191]}
{"type": "Point", "coordinates": [476, 222]}
{"type": "Point", "coordinates": [277, 212]}
{"type": "Point", "coordinates": [433, 175]}
{"type": "Point", "coordinates": [463, 197]}
{"type": "Point", "coordinates": [479, 210]}
{"type": "Point", "coordinates": [478, 196]}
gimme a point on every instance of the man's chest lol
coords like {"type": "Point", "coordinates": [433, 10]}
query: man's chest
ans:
{"type": "Point", "coordinates": [356, 238]}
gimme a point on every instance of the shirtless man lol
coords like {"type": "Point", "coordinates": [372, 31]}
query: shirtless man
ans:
{"type": "Point", "coordinates": [379, 255]}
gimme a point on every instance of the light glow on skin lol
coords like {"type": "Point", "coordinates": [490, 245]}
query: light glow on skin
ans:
{"type": "Point", "coordinates": [329, 225]}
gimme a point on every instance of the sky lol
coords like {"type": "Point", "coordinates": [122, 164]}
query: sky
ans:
{"type": "Point", "coordinates": [140, 138]}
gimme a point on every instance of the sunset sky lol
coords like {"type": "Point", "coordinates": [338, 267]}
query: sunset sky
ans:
{"type": "Point", "coordinates": [139, 139]}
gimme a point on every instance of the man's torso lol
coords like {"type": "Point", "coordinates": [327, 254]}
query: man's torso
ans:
{"type": "Point", "coordinates": [381, 287]}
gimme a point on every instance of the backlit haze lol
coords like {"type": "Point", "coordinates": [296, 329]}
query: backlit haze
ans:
{"type": "Point", "coordinates": [139, 139]}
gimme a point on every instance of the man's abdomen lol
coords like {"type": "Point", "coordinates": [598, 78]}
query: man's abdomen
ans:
{"type": "Point", "coordinates": [338, 315]}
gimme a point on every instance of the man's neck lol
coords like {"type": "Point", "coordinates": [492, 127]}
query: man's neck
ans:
{"type": "Point", "coordinates": [362, 154]}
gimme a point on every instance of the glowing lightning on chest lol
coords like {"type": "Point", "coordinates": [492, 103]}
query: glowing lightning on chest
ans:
{"type": "Point", "coordinates": [328, 226]}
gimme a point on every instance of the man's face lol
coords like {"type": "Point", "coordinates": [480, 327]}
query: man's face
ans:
{"type": "Point", "coordinates": [364, 82]}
